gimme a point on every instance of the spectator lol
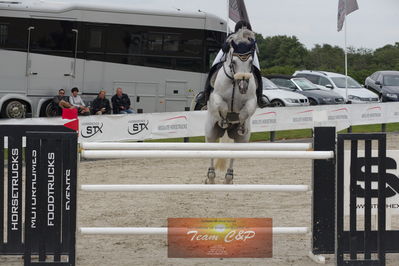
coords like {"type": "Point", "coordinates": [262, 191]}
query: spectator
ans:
{"type": "Point", "coordinates": [101, 104]}
{"type": "Point", "coordinates": [121, 103]}
{"type": "Point", "coordinates": [61, 100]}
{"type": "Point", "coordinates": [58, 103]}
{"type": "Point", "coordinates": [78, 103]}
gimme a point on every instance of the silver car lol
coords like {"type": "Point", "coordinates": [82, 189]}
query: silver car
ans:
{"type": "Point", "coordinates": [279, 97]}
{"type": "Point", "coordinates": [354, 93]}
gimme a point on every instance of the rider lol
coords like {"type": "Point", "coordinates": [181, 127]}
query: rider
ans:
{"type": "Point", "coordinates": [262, 101]}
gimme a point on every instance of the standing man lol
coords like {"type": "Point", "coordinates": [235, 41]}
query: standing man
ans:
{"type": "Point", "coordinates": [121, 103]}
{"type": "Point", "coordinates": [101, 105]}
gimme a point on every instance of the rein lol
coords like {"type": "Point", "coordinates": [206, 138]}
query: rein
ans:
{"type": "Point", "coordinates": [243, 58]}
{"type": "Point", "coordinates": [225, 72]}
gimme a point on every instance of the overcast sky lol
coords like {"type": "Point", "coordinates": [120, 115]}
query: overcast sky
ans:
{"type": "Point", "coordinates": [373, 25]}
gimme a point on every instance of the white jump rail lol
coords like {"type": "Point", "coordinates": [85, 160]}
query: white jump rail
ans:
{"type": "Point", "coordinates": [227, 154]}
{"type": "Point", "coordinates": [164, 230]}
{"type": "Point", "coordinates": [195, 146]}
{"type": "Point", "coordinates": [194, 188]}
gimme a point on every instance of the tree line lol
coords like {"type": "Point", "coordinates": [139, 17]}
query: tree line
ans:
{"type": "Point", "coordinates": [284, 54]}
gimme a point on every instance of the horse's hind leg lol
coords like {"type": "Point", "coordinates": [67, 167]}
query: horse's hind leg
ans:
{"type": "Point", "coordinates": [228, 179]}
{"type": "Point", "coordinates": [211, 174]}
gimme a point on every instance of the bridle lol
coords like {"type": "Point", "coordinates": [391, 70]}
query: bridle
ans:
{"type": "Point", "coordinates": [243, 57]}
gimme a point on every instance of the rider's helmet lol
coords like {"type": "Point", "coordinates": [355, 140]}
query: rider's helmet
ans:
{"type": "Point", "coordinates": [241, 24]}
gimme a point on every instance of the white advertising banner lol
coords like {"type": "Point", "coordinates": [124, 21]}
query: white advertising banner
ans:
{"type": "Point", "coordinates": [136, 127]}
{"type": "Point", "coordinates": [114, 127]}
{"type": "Point", "coordinates": [392, 113]}
{"type": "Point", "coordinates": [392, 180]}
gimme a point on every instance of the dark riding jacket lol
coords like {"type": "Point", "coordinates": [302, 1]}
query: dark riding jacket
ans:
{"type": "Point", "coordinates": [118, 102]}
{"type": "Point", "coordinates": [99, 103]}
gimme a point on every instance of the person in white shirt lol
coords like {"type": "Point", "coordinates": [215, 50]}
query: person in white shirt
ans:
{"type": "Point", "coordinates": [78, 103]}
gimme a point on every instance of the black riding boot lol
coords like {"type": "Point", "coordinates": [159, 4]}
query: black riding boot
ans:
{"type": "Point", "coordinates": [261, 99]}
{"type": "Point", "coordinates": [203, 97]}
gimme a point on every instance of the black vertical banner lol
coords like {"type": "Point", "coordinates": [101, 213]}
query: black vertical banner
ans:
{"type": "Point", "coordinates": [52, 177]}
{"type": "Point", "coordinates": [66, 185]}
{"type": "Point", "coordinates": [56, 155]}
{"type": "Point", "coordinates": [32, 154]}
{"type": "Point", "coordinates": [14, 222]}
{"type": "Point", "coordinates": [12, 188]}
{"type": "Point", "coordinates": [58, 195]}
{"type": "Point", "coordinates": [69, 187]}
{"type": "Point", "coordinates": [72, 216]}
{"type": "Point", "coordinates": [42, 199]}
{"type": "Point", "coordinates": [2, 206]}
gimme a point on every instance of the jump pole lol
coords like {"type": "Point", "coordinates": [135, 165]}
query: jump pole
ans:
{"type": "Point", "coordinates": [195, 146]}
{"type": "Point", "coordinates": [226, 154]}
{"type": "Point", "coordinates": [164, 230]}
{"type": "Point", "coordinates": [195, 188]}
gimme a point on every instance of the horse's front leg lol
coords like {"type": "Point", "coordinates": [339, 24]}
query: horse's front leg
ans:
{"type": "Point", "coordinates": [221, 109]}
{"type": "Point", "coordinates": [246, 112]}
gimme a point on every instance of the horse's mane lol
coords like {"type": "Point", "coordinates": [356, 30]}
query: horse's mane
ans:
{"type": "Point", "coordinates": [243, 35]}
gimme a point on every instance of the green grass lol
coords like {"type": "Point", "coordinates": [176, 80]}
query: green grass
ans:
{"type": "Point", "coordinates": [293, 134]}
{"type": "Point", "coordinates": [394, 127]}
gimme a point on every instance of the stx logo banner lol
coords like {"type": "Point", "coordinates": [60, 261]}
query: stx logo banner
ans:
{"type": "Point", "coordinates": [91, 129]}
{"type": "Point", "coordinates": [137, 126]}
{"type": "Point", "coordinates": [391, 177]}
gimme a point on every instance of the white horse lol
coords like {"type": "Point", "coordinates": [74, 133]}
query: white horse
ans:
{"type": "Point", "coordinates": [233, 100]}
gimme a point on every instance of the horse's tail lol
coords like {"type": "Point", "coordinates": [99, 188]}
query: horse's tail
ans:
{"type": "Point", "coordinates": [221, 164]}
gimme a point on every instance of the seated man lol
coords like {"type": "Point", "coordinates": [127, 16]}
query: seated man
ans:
{"type": "Point", "coordinates": [101, 104]}
{"type": "Point", "coordinates": [121, 103]}
{"type": "Point", "coordinates": [60, 101]}
{"type": "Point", "coordinates": [78, 103]}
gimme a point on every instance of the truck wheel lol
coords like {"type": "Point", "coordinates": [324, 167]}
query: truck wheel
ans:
{"type": "Point", "coordinates": [50, 110]}
{"type": "Point", "coordinates": [13, 109]}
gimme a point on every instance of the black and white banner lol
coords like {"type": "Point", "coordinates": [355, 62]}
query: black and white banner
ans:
{"type": "Point", "coordinates": [392, 181]}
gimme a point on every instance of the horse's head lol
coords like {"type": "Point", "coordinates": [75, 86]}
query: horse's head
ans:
{"type": "Point", "coordinates": [241, 56]}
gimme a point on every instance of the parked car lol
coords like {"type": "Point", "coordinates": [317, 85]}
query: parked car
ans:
{"type": "Point", "coordinates": [279, 97]}
{"type": "Point", "coordinates": [303, 86]}
{"type": "Point", "coordinates": [355, 93]}
{"type": "Point", "coordinates": [385, 84]}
